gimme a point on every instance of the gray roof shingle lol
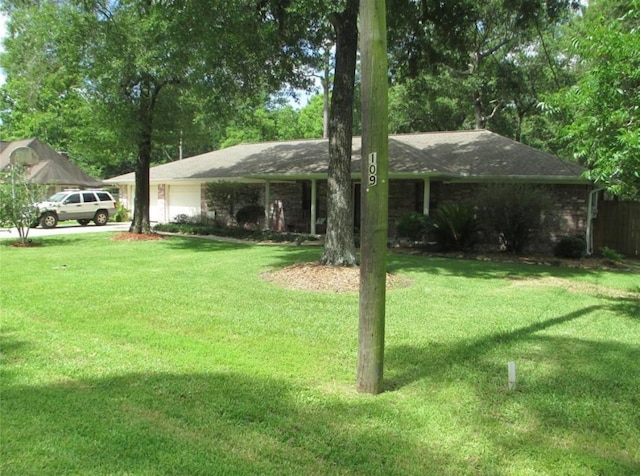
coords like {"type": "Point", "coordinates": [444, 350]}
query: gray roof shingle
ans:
{"type": "Point", "coordinates": [465, 155]}
{"type": "Point", "coordinates": [51, 168]}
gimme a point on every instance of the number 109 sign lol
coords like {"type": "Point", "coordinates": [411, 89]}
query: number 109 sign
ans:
{"type": "Point", "coordinates": [373, 169]}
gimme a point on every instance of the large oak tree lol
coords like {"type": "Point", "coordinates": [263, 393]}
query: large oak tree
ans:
{"type": "Point", "coordinates": [339, 249]}
{"type": "Point", "coordinates": [148, 69]}
{"type": "Point", "coordinates": [462, 52]}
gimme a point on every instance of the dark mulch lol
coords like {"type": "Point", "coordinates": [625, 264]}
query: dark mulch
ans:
{"type": "Point", "coordinates": [127, 236]}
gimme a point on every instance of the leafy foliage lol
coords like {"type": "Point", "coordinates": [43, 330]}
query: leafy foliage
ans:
{"type": "Point", "coordinates": [17, 201]}
{"type": "Point", "coordinates": [455, 226]}
{"type": "Point", "coordinates": [572, 247]}
{"type": "Point", "coordinates": [611, 254]}
{"type": "Point", "coordinates": [122, 213]}
{"type": "Point", "coordinates": [474, 47]}
{"type": "Point", "coordinates": [517, 214]}
{"type": "Point", "coordinates": [191, 226]}
{"type": "Point", "coordinates": [428, 103]}
{"type": "Point", "coordinates": [250, 215]}
{"type": "Point", "coordinates": [227, 197]}
{"type": "Point", "coordinates": [603, 130]}
{"type": "Point", "coordinates": [412, 225]}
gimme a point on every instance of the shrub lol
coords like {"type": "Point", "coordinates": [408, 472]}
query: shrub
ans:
{"type": "Point", "coordinates": [571, 247]}
{"type": "Point", "coordinates": [122, 213]}
{"type": "Point", "coordinates": [17, 201]}
{"type": "Point", "coordinates": [250, 215]}
{"type": "Point", "coordinates": [184, 219]}
{"type": "Point", "coordinates": [227, 197]}
{"type": "Point", "coordinates": [611, 254]}
{"type": "Point", "coordinates": [232, 232]}
{"type": "Point", "coordinates": [412, 225]}
{"type": "Point", "coordinates": [455, 226]}
{"type": "Point", "coordinates": [518, 214]}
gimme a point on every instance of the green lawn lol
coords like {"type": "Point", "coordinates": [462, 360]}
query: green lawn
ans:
{"type": "Point", "coordinates": [176, 357]}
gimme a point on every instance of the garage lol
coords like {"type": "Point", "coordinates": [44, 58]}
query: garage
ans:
{"type": "Point", "coordinates": [183, 200]}
{"type": "Point", "coordinates": [156, 214]}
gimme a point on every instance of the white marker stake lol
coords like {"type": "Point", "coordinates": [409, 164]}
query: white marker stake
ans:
{"type": "Point", "coordinates": [512, 375]}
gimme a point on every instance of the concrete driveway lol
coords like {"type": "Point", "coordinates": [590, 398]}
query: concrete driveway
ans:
{"type": "Point", "coordinates": [66, 229]}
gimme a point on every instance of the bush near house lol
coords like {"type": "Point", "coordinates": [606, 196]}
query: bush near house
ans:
{"type": "Point", "coordinates": [519, 214]}
{"type": "Point", "coordinates": [228, 198]}
{"type": "Point", "coordinates": [571, 247]}
{"type": "Point", "coordinates": [412, 226]}
{"type": "Point", "coordinates": [189, 226]}
{"type": "Point", "coordinates": [250, 215]}
{"type": "Point", "coordinates": [455, 226]}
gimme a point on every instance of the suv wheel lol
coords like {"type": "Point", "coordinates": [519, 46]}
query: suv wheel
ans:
{"type": "Point", "coordinates": [84, 222]}
{"type": "Point", "coordinates": [101, 218]}
{"type": "Point", "coordinates": [49, 220]}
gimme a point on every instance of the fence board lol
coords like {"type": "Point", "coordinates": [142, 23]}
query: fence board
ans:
{"type": "Point", "coordinates": [617, 226]}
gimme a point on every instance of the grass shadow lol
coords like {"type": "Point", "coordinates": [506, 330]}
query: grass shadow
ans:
{"type": "Point", "coordinates": [219, 423]}
{"type": "Point", "coordinates": [409, 363]}
{"type": "Point", "coordinates": [574, 396]}
{"type": "Point", "coordinates": [11, 349]}
{"type": "Point", "coordinates": [202, 243]}
{"type": "Point", "coordinates": [284, 254]}
{"type": "Point", "coordinates": [58, 240]}
{"type": "Point", "coordinates": [472, 268]}
{"type": "Point", "coordinates": [626, 306]}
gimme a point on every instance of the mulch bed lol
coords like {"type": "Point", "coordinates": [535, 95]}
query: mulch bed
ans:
{"type": "Point", "coordinates": [318, 277]}
{"type": "Point", "coordinates": [27, 244]}
{"type": "Point", "coordinates": [126, 236]}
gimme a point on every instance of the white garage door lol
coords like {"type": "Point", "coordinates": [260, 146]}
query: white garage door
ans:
{"type": "Point", "coordinates": [184, 200]}
{"type": "Point", "coordinates": [156, 214]}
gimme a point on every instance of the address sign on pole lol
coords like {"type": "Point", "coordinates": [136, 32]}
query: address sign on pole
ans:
{"type": "Point", "coordinates": [373, 169]}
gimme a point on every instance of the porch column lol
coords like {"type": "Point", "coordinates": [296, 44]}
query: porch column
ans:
{"type": "Point", "coordinates": [267, 201]}
{"type": "Point", "coordinates": [425, 198]}
{"type": "Point", "coordinates": [314, 193]}
{"type": "Point", "coordinates": [166, 204]}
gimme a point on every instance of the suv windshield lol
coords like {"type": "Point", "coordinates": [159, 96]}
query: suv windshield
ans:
{"type": "Point", "coordinates": [58, 197]}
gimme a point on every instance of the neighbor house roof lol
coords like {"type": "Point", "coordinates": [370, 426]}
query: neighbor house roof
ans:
{"type": "Point", "coordinates": [51, 168]}
{"type": "Point", "coordinates": [464, 155]}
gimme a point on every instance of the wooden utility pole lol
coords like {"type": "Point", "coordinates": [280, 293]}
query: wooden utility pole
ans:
{"type": "Point", "coordinates": [374, 196]}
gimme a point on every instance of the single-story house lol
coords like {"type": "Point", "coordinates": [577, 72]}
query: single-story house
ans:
{"type": "Point", "coordinates": [45, 166]}
{"type": "Point", "coordinates": [425, 170]}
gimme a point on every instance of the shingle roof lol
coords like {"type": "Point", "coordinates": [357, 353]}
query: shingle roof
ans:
{"type": "Point", "coordinates": [51, 168]}
{"type": "Point", "coordinates": [463, 155]}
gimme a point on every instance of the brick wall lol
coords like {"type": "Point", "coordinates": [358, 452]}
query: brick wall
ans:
{"type": "Point", "coordinates": [408, 195]}
{"type": "Point", "coordinates": [295, 198]}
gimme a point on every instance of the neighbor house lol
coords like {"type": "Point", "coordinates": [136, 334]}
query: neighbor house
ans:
{"type": "Point", "coordinates": [45, 166]}
{"type": "Point", "coordinates": [425, 170]}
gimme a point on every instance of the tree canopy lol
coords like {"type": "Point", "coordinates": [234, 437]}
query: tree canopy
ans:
{"type": "Point", "coordinates": [145, 72]}
{"type": "Point", "coordinates": [133, 80]}
{"type": "Point", "coordinates": [601, 112]}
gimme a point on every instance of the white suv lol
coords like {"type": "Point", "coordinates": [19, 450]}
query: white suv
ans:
{"type": "Point", "coordinates": [81, 205]}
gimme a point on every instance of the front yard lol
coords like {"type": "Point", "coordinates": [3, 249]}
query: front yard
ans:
{"type": "Point", "coordinates": [177, 356]}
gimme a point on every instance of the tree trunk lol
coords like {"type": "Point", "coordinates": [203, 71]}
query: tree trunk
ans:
{"type": "Point", "coordinates": [140, 223]}
{"type": "Point", "coordinates": [478, 110]}
{"type": "Point", "coordinates": [339, 248]}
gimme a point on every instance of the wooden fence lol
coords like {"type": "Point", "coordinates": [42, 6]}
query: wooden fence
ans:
{"type": "Point", "coordinates": [617, 226]}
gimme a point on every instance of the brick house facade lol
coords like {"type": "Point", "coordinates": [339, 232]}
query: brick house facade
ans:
{"type": "Point", "coordinates": [407, 196]}
{"type": "Point", "coordinates": [425, 170]}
